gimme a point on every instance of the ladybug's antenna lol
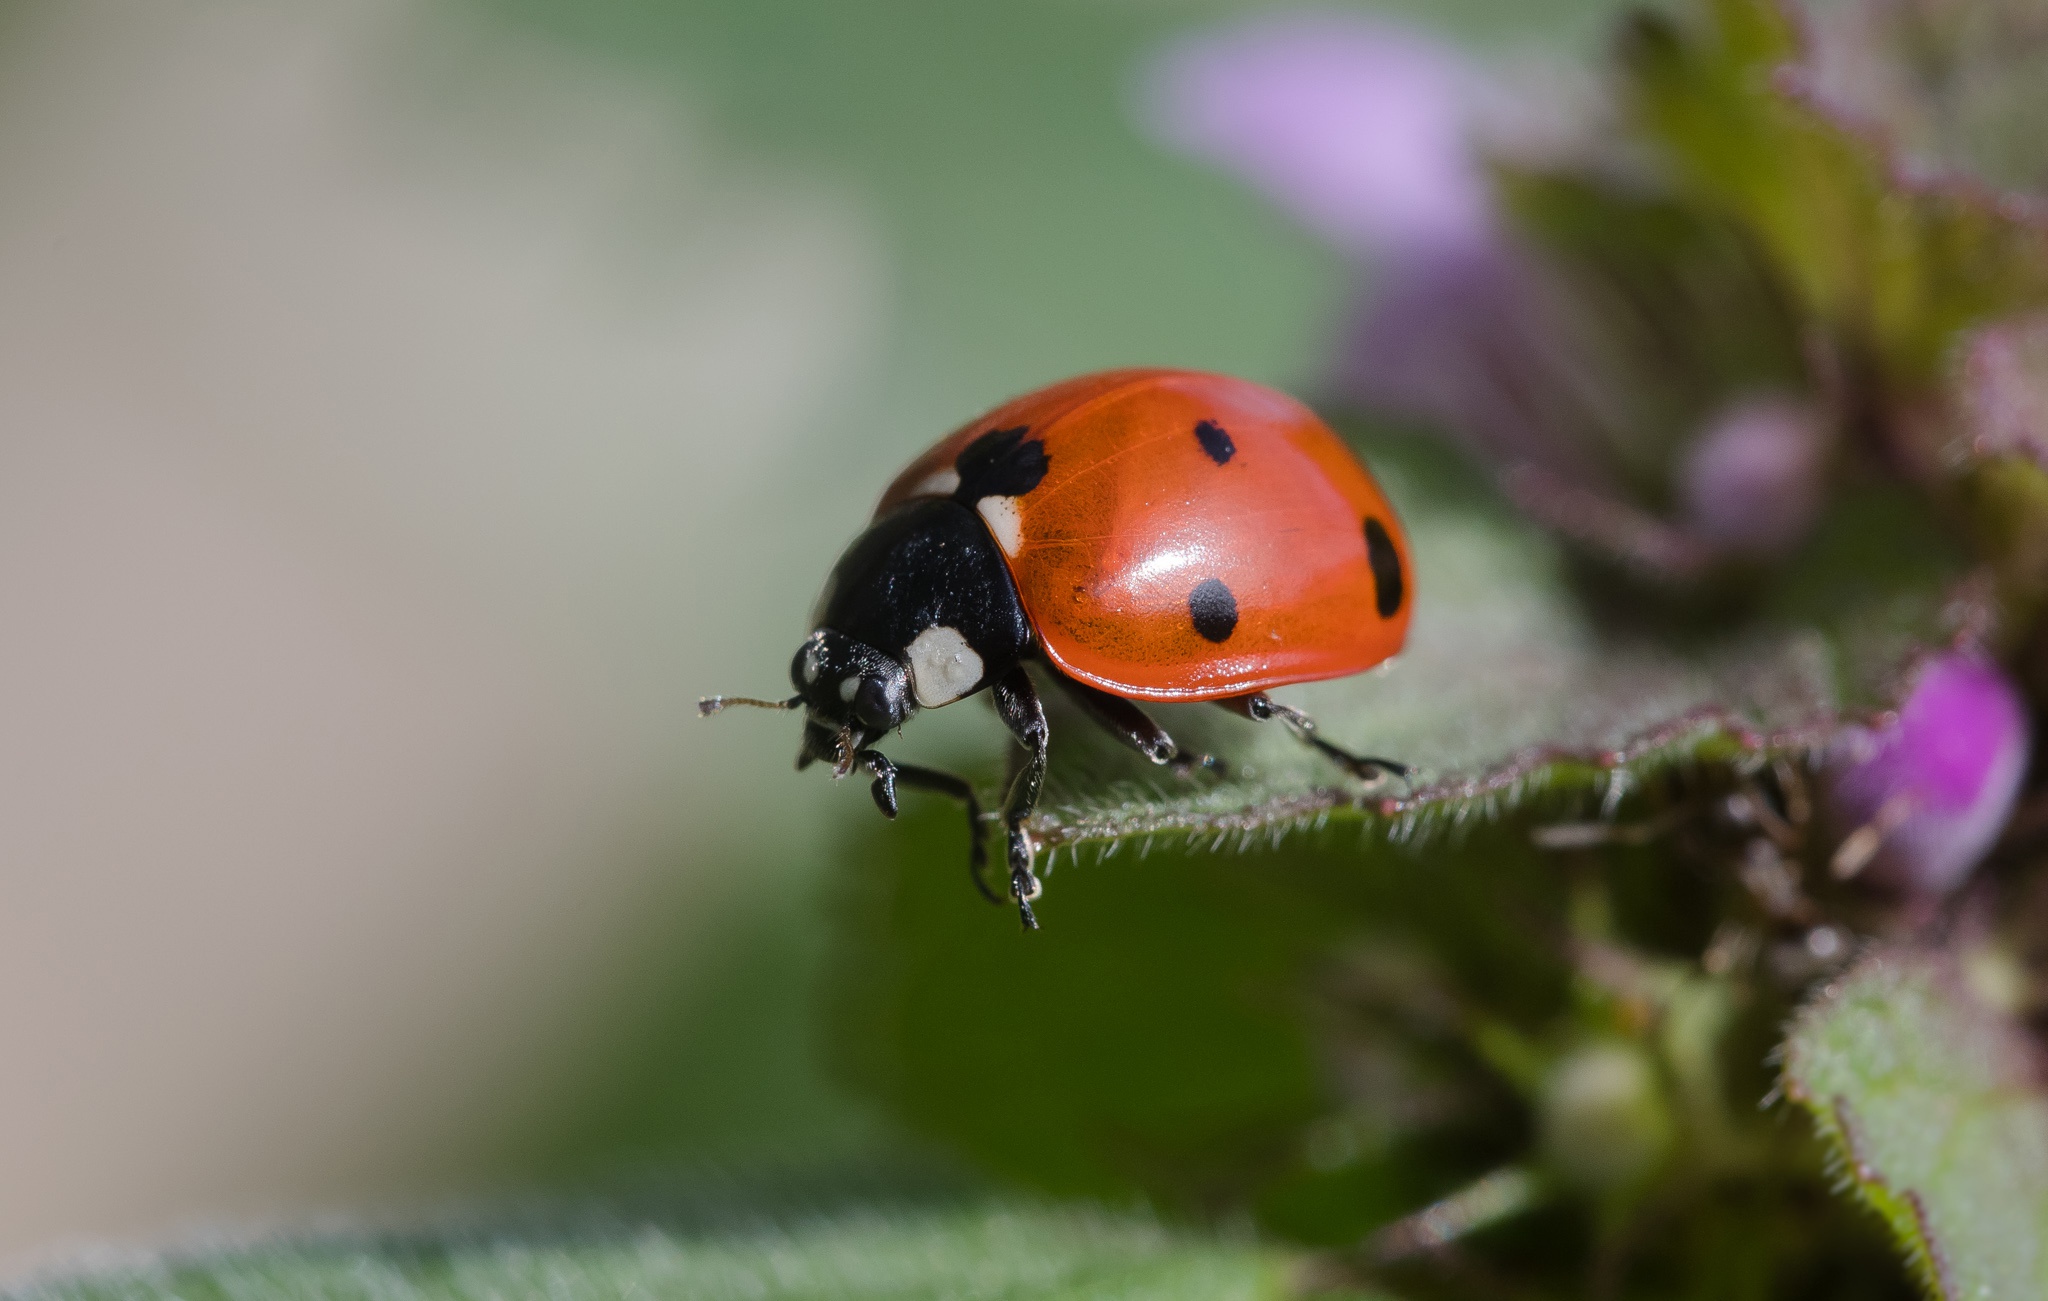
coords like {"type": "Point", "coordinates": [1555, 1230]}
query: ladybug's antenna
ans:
{"type": "Point", "coordinates": [709, 705]}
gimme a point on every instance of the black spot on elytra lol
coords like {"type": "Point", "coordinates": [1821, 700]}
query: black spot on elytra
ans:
{"type": "Point", "coordinates": [1000, 463]}
{"type": "Point", "coordinates": [1387, 583]}
{"type": "Point", "coordinates": [1214, 610]}
{"type": "Point", "coordinates": [1215, 442]}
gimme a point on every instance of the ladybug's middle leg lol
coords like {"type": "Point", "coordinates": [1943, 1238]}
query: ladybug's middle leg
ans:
{"type": "Point", "coordinates": [1018, 704]}
{"type": "Point", "coordinates": [1259, 707]}
{"type": "Point", "coordinates": [1134, 727]}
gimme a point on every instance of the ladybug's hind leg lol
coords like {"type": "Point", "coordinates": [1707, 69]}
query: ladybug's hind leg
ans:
{"type": "Point", "coordinates": [1018, 704]}
{"type": "Point", "coordinates": [1134, 727]}
{"type": "Point", "coordinates": [1260, 707]}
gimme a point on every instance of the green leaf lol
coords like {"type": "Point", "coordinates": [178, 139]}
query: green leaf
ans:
{"type": "Point", "coordinates": [1933, 1107]}
{"type": "Point", "coordinates": [721, 1244]}
{"type": "Point", "coordinates": [1520, 681]}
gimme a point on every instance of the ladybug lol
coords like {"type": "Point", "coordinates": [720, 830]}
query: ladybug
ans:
{"type": "Point", "coordinates": [1143, 535]}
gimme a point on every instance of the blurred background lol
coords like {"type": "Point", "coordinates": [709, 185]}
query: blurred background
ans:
{"type": "Point", "coordinates": [407, 410]}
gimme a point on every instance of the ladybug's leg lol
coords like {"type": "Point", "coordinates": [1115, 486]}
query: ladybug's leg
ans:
{"type": "Point", "coordinates": [1017, 702]}
{"type": "Point", "coordinates": [1259, 707]}
{"type": "Point", "coordinates": [890, 774]}
{"type": "Point", "coordinates": [1134, 727]}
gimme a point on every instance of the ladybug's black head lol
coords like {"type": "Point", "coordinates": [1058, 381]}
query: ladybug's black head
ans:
{"type": "Point", "coordinates": [848, 686]}
{"type": "Point", "coordinates": [851, 694]}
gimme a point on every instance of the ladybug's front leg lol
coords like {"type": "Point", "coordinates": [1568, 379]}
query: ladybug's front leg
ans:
{"type": "Point", "coordinates": [1017, 702]}
{"type": "Point", "coordinates": [889, 774]}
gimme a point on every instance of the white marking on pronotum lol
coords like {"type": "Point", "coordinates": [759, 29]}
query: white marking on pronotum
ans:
{"type": "Point", "coordinates": [939, 483]}
{"type": "Point", "coordinates": [943, 667]}
{"type": "Point", "coordinates": [811, 660]}
{"type": "Point", "coordinates": [1004, 520]}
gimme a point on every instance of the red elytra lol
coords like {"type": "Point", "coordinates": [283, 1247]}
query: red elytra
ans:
{"type": "Point", "coordinates": [1135, 511]}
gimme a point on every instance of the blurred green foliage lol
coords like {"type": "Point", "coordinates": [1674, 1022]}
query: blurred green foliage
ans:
{"type": "Point", "coordinates": [867, 1238]}
{"type": "Point", "coordinates": [1930, 1102]}
{"type": "Point", "coordinates": [1895, 269]}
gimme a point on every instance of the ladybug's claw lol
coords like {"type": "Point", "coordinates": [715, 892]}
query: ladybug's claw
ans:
{"type": "Point", "coordinates": [1024, 883]}
{"type": "Point", "coordinates": [975, 871]}
{"type": "Point", "coordinates": [1128, 723]}
{"type": "Point", "coordinates": [1373, 769]}
{"type": "Point", "coordinates": [1259, 707]}
{"type": "Point", "coordinates": [1364, 767]}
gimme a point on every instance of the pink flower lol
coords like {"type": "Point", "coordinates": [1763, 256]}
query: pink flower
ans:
{"type": "Point", "coordinates": [1924, 797]}
{"type": "Point", "coordinates": [1356, 127]}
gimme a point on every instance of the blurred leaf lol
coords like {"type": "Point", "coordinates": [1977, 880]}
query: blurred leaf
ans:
{"type": "Point", "coordinates": [1629, 368]}
{"type": "Point", "coordinates": [1882, 152]}
{"type": "Point", "coordinates": [1932, 1103]}
{"type": "Point", "coordinates": [1957, 87]}
{"type": "Point", "coordinates": [1893, 268]}
{"type": "Point", "coordinates": [1687, 313]}
{"type": "Point", "coordinates": [2000, 443]}
{"type": "Point", "coordinates": [1519, 683]}
{"type": "Point", "coordinates": [722, 1243]}
{"type": "Point", "coordinates": [2004, 389]}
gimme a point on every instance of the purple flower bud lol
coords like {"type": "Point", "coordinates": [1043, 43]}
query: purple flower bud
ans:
{"type": "Point", "coordinates": [1356, 127]}
{"type": "Point", "coordinates": [1751, 483]}
{"type": "Point", "coordinates": [1923, 798]}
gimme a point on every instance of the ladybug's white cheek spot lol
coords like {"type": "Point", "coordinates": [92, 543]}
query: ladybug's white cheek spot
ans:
{"type": "Point", "coordinates": [1004, 520]}
{"type": "Point", "coordinates": [943, 667]}
{"type": "Point", "coordinates": [847, 688]}
{"type": "Point", "coordinates": [939, 483]}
